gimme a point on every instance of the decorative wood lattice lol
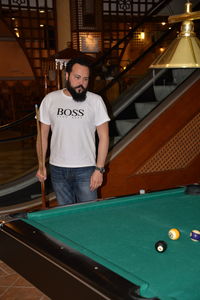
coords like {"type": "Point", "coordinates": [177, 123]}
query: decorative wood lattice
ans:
{"type": "Point", "coordinates": [33, 23]}
{"type": "Point", "coordinates": [111, 20]}
{"type": "Point", "coordinates": [179, 152]}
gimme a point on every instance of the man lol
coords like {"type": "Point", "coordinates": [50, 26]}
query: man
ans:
{"type": "Point", "coordinates": [74, 115]}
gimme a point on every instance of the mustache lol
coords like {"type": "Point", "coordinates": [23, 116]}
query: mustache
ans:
{"type": "Point", "coordinates": [79, 86]}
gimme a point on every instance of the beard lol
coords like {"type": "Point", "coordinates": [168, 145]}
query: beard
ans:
{"type": "Point", "coordinates": [79, 97]}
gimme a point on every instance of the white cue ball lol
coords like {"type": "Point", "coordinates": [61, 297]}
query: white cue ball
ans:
{"type": "Point", "coordinates": [142, 192]}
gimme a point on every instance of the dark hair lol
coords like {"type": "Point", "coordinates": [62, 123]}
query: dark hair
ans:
{"type": "Point", "coordinates": [78, 60]}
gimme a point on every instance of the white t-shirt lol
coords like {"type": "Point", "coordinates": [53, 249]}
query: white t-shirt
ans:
{"type": "Point", "coordinates": [73, 126]}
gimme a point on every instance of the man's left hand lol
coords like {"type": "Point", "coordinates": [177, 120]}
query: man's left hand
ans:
{"type": "Point", "coordinates": [96, 180]}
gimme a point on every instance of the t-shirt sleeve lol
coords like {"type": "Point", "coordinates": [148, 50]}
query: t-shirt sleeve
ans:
{"type": "Point", "coordinates": [44, 111]}
{"type": "Point", "coordinates": [101, 114]}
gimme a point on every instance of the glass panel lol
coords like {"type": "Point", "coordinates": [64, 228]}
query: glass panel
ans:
{"type": "Point", "coordinates": [17, 151]}
{"type": "Point", "coordinates": [4, 2]}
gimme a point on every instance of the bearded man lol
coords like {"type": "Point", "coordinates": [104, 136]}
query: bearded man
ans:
{"type": "Point", "coordinates": [73, 115]}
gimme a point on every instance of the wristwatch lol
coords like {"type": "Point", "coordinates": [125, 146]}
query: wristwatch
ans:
{"type": "Point", "coordinates": [101, 170]}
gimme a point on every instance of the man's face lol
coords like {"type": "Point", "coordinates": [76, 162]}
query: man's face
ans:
{"type": "Point", "coordinates": [77, 82]}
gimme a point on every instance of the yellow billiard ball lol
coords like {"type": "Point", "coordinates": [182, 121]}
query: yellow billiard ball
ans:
{"type": "Point", "coordinates": [174, 234]}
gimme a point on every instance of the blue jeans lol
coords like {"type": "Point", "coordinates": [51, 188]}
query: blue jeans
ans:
{"type": "Point", "coordinates": [72, 185]}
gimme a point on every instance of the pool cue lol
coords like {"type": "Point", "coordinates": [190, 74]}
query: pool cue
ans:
{"type": "Point", "coordinates": [40, 157]}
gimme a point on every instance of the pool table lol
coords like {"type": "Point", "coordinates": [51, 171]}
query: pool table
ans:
{"type": "Point", "coordinates": [106, 249]}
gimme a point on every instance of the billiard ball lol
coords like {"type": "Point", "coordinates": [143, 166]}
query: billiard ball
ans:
{"type": "Point", "coordinates": [195, 235]}
{"type": "Point", "coordinates": [174, 234]}
{"type": "Point", "coordinates": [161, 246]}
{"type": "Point", "coordinates": [193, 189]}
{"type": "Point", "coordinates": [142, 192]}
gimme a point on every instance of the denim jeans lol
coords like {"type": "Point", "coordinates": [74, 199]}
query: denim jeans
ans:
{"type": "Point", "coordinates": [72, 185]}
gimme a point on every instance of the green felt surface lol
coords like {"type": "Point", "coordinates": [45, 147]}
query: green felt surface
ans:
{"type": "Point", "coordinates": [121, 234]}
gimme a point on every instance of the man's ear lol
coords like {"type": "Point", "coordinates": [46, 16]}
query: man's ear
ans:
{"type": "Point", "coordinates": [67, 75]}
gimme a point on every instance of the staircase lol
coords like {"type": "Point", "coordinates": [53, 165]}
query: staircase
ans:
{"type": "Point", "coordinates": [134, 108]}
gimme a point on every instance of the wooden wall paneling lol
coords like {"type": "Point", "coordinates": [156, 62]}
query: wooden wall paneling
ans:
{"type": "Point", "coordinates": [123, 175]}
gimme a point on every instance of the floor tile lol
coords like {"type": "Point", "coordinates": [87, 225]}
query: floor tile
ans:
{"type": "Point", "coordinates": [15, 287]}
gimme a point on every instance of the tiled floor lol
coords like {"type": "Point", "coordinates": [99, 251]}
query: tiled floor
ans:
{"type": "Point", "coordinates": [15, 159]}
{"type": "Point", "coordinates": [15, 287]}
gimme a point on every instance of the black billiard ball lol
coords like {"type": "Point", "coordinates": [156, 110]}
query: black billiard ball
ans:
{"type": "Point", "coordinates": [193, 189]}
{"type": "Point", "coordinates": [161, 246]}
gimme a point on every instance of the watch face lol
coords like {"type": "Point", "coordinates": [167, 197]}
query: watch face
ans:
{"type": "Point", "coordinates": [101, 170]}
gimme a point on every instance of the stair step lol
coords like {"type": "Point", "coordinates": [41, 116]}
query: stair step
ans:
{"type": "Point", "coordinates": [162, 91]}
{"type": "Point", "coordinates": [123, 126]}
{"type": "Point", "coordinates": [181, 74]}
{"type": "Point", "coordinates": [143, 108]}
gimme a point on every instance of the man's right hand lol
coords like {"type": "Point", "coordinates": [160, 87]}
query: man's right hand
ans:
{"type": "Point", "coordinates": [41, 174]}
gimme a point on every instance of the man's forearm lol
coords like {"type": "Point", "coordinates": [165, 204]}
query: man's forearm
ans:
{"type": "Point", "coordinates": [41, 148]}
{"type": "Point", "coordinates": [103, 145]}
{"type": "Point", "coordinates": [102, 153]}
{"type": "Point", "coordinates": [42, 144]}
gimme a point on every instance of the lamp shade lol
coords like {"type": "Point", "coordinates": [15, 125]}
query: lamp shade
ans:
{"type": "Point", "coordinates": [184, 51]}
